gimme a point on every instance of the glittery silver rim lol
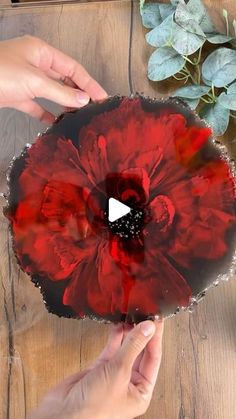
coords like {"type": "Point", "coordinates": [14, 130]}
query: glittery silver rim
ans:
{"type": "Point", "coordinates": [224, 156]}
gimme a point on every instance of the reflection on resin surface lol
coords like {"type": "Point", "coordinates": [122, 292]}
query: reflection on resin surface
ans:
{"type": "Point", "coordinates": [123, 210]}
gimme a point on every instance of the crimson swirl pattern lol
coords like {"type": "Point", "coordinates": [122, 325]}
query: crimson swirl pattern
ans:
{"type": "Point", "coordinates": [156, 157]}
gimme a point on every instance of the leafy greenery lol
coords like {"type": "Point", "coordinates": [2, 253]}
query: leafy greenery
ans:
{"type": "Point", "coordinates": [219, 68]}
{"type": "Point", "coordinates": [217, 116]}
{"type": "Point", "coordinates": [180, 33]}
{"type": "Point", "coordinates": [163, 63]}
{"type": "Point", "coordinates": [192, 92]}
{"type": "Point", "coordinates": [228, 99]}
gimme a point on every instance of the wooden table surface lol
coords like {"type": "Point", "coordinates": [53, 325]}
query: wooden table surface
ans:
{"type": "Point", "coordinates": [197, 378]}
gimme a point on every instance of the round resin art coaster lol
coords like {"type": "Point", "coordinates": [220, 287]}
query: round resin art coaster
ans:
{"type": "Point", "coordinates": [123, 210]}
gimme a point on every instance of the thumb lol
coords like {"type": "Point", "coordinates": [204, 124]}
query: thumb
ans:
{"type": "Point", "coordinates": [135, 342]}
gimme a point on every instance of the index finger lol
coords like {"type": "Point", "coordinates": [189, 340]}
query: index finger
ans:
{"type": "Point", "coordinates": [68, 67]}
{"type": "Point", "coordinates": [151, 359]}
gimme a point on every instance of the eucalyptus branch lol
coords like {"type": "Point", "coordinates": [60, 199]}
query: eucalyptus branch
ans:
{"type": "Point", "coordinates": [180, 78]}
{"type": "Point", "coordinates": [210, 96]}
{"type": "Point", "coordinates": [197, 60]}
{"type": "Point", "coordinates": [199, 56]}
{"type": "Point", "coordinates": [199, 74]}
{"type": "Point", "coordinates": [234, 26]}
{"type": "Point", "coordinates": [225, 15]}
{"type": "Point", "coordinates": [188, 59]}
{"type": "Point", "coordinates": [213, 91]}
{"type": "Point", "coordinates": [190, 75]}
{"type": "Point", "coordinates": [206, 101]}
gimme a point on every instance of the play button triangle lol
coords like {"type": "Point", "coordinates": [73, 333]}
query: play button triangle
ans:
{"type": "Point", "coordinates": [116, 210]}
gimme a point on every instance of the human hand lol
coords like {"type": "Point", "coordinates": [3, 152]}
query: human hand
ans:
{"type": "Point", "coordinates": [120, 383]}
{"type": "Point", "coordinates": [31, 68]}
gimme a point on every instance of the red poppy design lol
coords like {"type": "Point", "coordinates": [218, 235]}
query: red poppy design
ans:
{"type": "Point", "coordinates": [158, 159]}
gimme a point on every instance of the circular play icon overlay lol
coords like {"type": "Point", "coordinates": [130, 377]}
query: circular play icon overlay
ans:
{"type": "Point", "coordinates": [123, 210]}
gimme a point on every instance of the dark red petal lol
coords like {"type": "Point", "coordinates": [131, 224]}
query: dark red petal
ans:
{"type": "Point", "coordinates": [31, 186]}
{"type": "Point", "coordinates": [149, 160]}
{"type": "Point", "coordinates": [166, 177]}
{"type": "Point", "coordinates": [53, 157]}
{"type": "Point", "coordinates": [220, 191]}
{"type": "Point", "coordinates": [96, 285]}
{"type": "Point", "coordinates": [126, 252]}
{"type": "Point", "coordinates": [38, 249]}
{"type": "Point", "coordinates": [189, 144]}
{"type": "Point", "coordinates": [162, 212]}
{"type": "Point", "coordinates": [129, 137]}
{"type": "Point", "coordinates": [64, 206]}
{"type": "Point", "coordinates": [93, 156]}
{"type": "Point", "coordinates": [164, 285]}
{"type": "Point", "coordinates": [129, 186]}
{"type": "Point", "coordinates": [141, 186]}
{"type": "Point", "coordinates": [110, 280]}
{"type": "Point", "coordinates": [186, 207]}
{"type": "Point", "coordinates": [201, 240]}
{"type": "Point", "coordinates": [112, 289]}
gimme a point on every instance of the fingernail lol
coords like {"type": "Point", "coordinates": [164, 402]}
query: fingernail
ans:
{"type": "Point", "coordinates": [82, 98]}
{"type": "Point", "coordinates": [147, 328]}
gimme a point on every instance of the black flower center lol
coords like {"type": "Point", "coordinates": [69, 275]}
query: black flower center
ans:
{"type": "Point", "coordinates": [127, 190]}
{"type": "Point", "coordinates": [128, 226]}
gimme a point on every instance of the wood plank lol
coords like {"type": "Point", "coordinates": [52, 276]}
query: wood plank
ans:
{"type": "Point", "coordinates": [197, 377]}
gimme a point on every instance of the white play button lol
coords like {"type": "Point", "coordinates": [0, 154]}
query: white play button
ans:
{"type": "Point", "coordinates": [116, 210]}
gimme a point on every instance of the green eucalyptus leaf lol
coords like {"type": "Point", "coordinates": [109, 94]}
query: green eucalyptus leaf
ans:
{"type": "Point", "coordinates": [151, 16]}
{"type": "Point", "coordinates": [192, 103]}
{"type": "Point", "coordinates": [217, 38]}
{"type": "Point", "coordinates": [217, 117]}
{"type": "Point", "coordinates": [187, 21]}
{"type": "Point", "coordinates": [233, 43]}
{"type": "Point", "coordinates": [161, 35]}
{"type": "Point", "coordinates": [185, 43]}
{"type": "Point", "coordinates": [231, 89]}
{"type": "Point", "coordinates": [192, 92]}
{"type": "Point", "coordinates": [201, 15]}
{"type": "Point", "coordinates": [228, 101]}
{"type": "Point", "coordinates": [163, 63]}
{"type": "Point", "coordinates": [219, 68]}
{"type": "Point", "coordinates": [166, 10]}
{"type": "Point", "coordinates": [207, 82]}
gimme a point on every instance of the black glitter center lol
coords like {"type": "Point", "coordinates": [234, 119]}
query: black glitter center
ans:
{"type": "Point", "coordinates": [129, 225]}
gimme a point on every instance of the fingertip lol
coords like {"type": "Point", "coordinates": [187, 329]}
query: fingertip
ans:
{"type": "Point", "coordinates": [82, 98]}
{"type": "Point", "coordinates": [102, 95]}
{"type": "Point", "coordinates": [159, 322]}
{"type": "Point", "coordinates": [159, 319]}
{"type": "Point", "coordinates": [96, 91]}
{"type": "Point", "coordinates": [147, 327]}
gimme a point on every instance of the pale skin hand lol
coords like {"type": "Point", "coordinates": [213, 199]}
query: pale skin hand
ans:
{"type": "Point", "coordinates": [119, 385]}
{"type": "Point", "coordinates": [30, 68]}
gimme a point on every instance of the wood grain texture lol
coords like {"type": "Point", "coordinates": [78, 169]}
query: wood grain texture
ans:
{"type": "Point", "coordinates": [197, 379]}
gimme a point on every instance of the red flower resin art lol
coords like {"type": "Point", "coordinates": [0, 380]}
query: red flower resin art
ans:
{"type": "Point", "coordinates": [123, 210]}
